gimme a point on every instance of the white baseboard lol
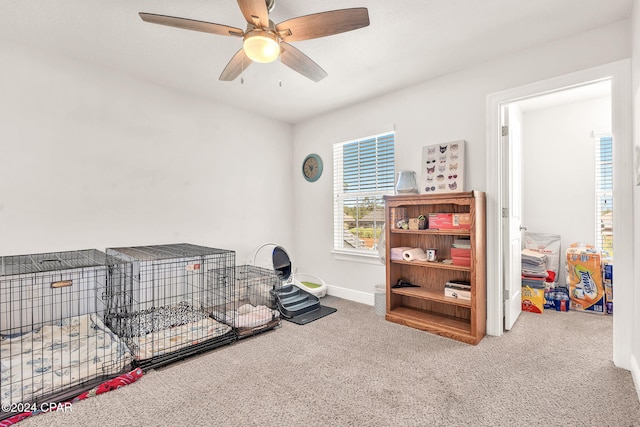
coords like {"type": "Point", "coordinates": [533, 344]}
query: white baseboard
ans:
{"type": "Point", "coordinates": [635, 374]}
{"type": "Point", "coordinates": [351, 295]}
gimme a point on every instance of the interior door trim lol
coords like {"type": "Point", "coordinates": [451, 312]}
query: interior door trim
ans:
{"type": "Point", "coordinates": [619, 73]}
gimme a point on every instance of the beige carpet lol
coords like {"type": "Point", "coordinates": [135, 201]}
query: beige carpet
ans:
{"type": "Point", "coordinates": [353, 368]}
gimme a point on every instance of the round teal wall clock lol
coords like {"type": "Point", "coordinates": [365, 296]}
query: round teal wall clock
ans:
{"type": "Point", "coordinates": [312, 167]}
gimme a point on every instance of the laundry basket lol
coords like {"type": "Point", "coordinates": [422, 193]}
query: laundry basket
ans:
{"type": "Point", "coordinates": [380, 299]}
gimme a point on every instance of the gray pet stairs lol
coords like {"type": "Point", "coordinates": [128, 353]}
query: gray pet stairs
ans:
{"type": "Point", "coordinates": [294, 303]}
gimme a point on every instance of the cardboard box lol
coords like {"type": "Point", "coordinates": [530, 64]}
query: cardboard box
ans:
{"type": "Point", "coordinates": [607, 279]}
{"type": "Point", "coordinates": [461, 221]}
{"type": "Point", "coordinates": [461, 256]}
{"type": "Point", "coordinates": [534, 282]}
{"type": "Point", "coordinates": [607, 271]}
{"type": "Point", "coordinates": [456, 293]}
{"type": "Point", "coordinates": [417, 224]}
{"type": "Point", "coordinates": [461, 261]}
{"type": "Point", "coordinates": [458, 289]}
{"type": "Point", "coordinates": [449, 221]}
{"type": "Point", "coordinates": [532, 299]}
{"type": "Point", "coordinates": [461, 253]}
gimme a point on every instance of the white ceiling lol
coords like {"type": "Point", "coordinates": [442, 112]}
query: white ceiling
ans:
{"type": "Point", "coordinates": [408, 41]}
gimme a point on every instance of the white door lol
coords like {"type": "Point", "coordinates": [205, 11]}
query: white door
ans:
{"type": "Point", "coordinates": [512, 213]}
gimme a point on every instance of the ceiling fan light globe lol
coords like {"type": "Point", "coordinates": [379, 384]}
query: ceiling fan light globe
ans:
{"type": "Point", "coordinates": [261, 46]}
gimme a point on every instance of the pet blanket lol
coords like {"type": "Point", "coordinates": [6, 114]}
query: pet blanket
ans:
{"type": "Point", "coordinates": [113, 384]}
{"type": "Point", "coordinates": [171, 339]}
{"type": "Point", "coordinates": [249, 316]}
{"type": "Point", "coordinates": [59, 356]}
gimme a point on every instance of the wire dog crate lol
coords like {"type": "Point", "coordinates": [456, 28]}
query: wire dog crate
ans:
{"type": "Point", "coordinates": [53, 342]}
{"type": "Point", "coordinates": [253, 309]}
{"type": "Point", "coordinates": [167, 312]}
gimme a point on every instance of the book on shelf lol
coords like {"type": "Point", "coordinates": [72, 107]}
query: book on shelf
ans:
{"type": "Point", "coordinates": [459, 284]}
{"type": "Point", "coordinates": [461, 243]}
{"type": "Point", "coordinates": [398, 217]}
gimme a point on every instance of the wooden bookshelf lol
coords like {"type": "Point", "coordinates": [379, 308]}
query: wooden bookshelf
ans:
{"type": "Point", "coordinates": [425, 307]}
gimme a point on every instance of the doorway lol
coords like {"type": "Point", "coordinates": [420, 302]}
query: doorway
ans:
{"type": "Point", "coordinates": [552, 190]}
{"type": "Point", "coordinates": [500, 197]}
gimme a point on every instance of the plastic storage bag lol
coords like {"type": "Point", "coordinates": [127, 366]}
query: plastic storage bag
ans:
{"type": "Point", "coordinates": [548, 244]}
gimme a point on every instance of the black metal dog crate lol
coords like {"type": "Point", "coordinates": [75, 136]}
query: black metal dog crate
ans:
{"type": "Point", "coordinates": [253, 308]}
{"type": "Point", "coordinates": [168, 310]}
{"type": "Point", "coordinates": [53, 340]}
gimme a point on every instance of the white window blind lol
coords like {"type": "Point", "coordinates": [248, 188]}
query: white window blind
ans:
{"type": "Point", "coordinates": [364, 171]}
{"type": "Point", "coordinates": [604, 194]}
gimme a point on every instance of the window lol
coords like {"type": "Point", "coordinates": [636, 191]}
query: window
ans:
{"type": "Point", "coordinates": [604, 194]}
{"type": "Point", "coordinates": [363, 172]}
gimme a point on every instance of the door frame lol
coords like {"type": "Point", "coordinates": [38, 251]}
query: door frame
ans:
{"type": "Point", "coordinates": [619, 73]}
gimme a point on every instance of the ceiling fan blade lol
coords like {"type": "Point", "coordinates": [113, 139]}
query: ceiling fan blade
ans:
{"type": "Point", "coordinates": [301, 63]}
{"type": "Point", "coordinates": [255, 10]}
{"type": "Point", "coordinates": [234, 68]}
{"type": "Point", "coordinates": [190, 24]}
{"type": "Point", "coordinates": [323, 24]}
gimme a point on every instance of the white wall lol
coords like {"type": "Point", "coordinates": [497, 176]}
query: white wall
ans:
{"type": "Point", "coordinates": [93, 159]}
{"type": "Point", "coordinates": [440, 110]}
{"type": "Point", "coordinates": [635, 63]}
{"type": "Point", "coordinates": [558, 170]}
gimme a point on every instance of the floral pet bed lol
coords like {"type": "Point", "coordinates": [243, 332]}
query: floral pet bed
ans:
{"type": "Point", "coordinates": [58, 356]}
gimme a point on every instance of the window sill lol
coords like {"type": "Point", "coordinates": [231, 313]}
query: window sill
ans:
{"type": "Point", "coordinates": [350, 256]}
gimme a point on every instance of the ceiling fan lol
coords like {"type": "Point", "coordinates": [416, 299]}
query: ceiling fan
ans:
{"type": "Point", "coordinates": [264, 41]}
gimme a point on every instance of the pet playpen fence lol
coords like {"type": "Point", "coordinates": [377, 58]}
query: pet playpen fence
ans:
{"type": "Point", "coordinates": [168, 311]}
{"type": "Point", "coordinates": [53, 342]}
